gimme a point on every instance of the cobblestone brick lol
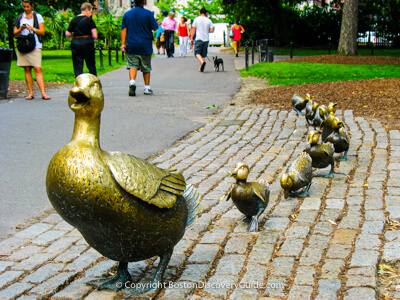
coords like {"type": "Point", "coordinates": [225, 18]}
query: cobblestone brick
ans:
{"type": "Point", "coordinates": [15, 290]}
{"type": "Point", "coordinates": [299, 292]}
{"type": "Point", "coordinates": [305, 275]}
{"type": "Point", "coordinates": [331, 268]}
{"type": "Point", "coordinates": [237, 244]}
{"type": "Point", "coordinates": [83, 261]}
{"type": "Point", "coordinates": [53, 284]}
{"type": "Point", "coordinates": [220, 285]}
{"type": "Point", "coordinates": [43, 273]}
{"type": "Point", "coordinates": [360, 293]}
{"type": "Point", "coordinates": [8, 277]}
{"type": "Point", "coordinates": [7, 246]}
{"type": "Point", "coordinates": [282, 266]}
{"type": "Point", "coordinates": [32, 262]}
{"type": "Point", "coordinates": [25, 252]}
{"type": "Point", "coordinates": [204, 253]}
{"type": "Point", "coordinates": [364, 258]}
{"type": "Point", "coordinates": [291, 247]}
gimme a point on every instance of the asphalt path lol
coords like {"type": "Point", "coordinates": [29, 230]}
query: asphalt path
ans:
{"type": "Point", "coordinates": [33, 131]}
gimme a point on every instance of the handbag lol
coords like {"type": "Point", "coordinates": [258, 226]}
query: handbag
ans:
{"type": "Point", "coordinates": [162, 37]}
{"type": "Point", "coordinates": [26, 43]}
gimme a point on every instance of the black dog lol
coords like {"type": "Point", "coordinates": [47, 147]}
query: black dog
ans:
{"type": "Point", "coordinates": [217, 63]}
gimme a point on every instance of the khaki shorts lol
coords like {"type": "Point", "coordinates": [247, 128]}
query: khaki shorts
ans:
{"type": "Point", "coordinates": [139, 62]}
{"type": "Point", "coordinates": [31, 59]}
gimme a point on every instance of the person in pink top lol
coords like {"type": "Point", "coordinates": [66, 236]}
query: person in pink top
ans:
{"type": "Point", "coordinates": [183, 35]}
{"type": "Point", "coordinates": [170, 27]}
{"type": "Point", "coordinates": [237, 35]}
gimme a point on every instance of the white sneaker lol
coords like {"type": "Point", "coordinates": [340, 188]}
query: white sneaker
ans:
{"type": "Point", "coordinates": [148, 91]}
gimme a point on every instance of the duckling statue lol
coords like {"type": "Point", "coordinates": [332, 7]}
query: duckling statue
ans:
{"type": "Point", "coordinates": [125, 207]}
{"type": "Point", "coordinates": [250, 198]}
{"type": "Point", "coordinates": [321, 154]}
{"type": "Point", "coordinates": [299, 103]}
{"type": "Point", "coordinates": [327, 124]}
{"type": "Point", "coordinates": [319, 116]}
{"type": "Point", "coordinates": [297, 176]}
{"type": "Point", "coordinates": [339, 138]}
{"type": "Point", "coordinates": [311, 107]}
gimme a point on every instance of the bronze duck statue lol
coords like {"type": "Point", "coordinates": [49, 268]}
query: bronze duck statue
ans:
{"type": "Point", "coordinates": [339, 138]}
{"type": "Point", "coordinates": [299, 103]}
{"type": "Point", "coordinates": [327, 124]}
{"type": "Point", "coordinates": [311, 107]}
{"type": "Point", "coordinates": [297, 176]}
{"type": "Point", "coordinates": [125, 207]}
{"type": "Point", "coordinates": [321, 154]}
{"type": "Point", "coordinates": [250, 198]}
{"type": "Point", "coordinates": [319, 116]}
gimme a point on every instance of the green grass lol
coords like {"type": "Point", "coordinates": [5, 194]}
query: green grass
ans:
{"type": "Point", "coordinates": [325, 51]}
{"type": "Point", "coordinates": [57, 66]}
{"type": "Point", "coordinates": [300, 73]}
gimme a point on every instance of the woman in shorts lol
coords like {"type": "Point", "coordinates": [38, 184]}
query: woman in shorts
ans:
{"type": "Point", "coordinates": [33, 59]}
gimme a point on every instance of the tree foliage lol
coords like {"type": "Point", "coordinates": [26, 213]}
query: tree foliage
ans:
{"type": "Point", "coordinates": [9, 9]}
{"type": "Point", "coordinates": [264, 19]}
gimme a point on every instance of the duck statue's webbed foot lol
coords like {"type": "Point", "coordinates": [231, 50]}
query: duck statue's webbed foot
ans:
{"type": "Point", "coordinates": [344, 156]}
{"type": "Point", "coordinates": [151, 290]}
{"type": "Point", "coordinates": [117, 282]}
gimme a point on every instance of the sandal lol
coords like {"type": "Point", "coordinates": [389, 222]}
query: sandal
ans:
{"type": "Point", "coordinates": [30, 97]}
{"type": "Point", "coordinates": [203, 65]}
{"type": "Point", "coordinates": [46, 98]}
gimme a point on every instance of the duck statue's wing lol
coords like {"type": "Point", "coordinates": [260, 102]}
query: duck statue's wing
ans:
{"type": "Point", "coordinates": [343, 133]}
{"type": "Point", "coordinates": [145, 181]}
{"type": "Point", "coordinates": [302, 167]}
{"type": "Point", "coordinates": [259, 189]}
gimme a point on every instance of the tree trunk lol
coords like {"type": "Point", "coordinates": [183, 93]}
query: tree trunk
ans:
{"type": "Point", "coordinates": [349, 29]}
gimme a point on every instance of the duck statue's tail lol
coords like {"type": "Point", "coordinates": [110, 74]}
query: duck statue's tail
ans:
{"type": "Point", "coordinates": [192, 197]}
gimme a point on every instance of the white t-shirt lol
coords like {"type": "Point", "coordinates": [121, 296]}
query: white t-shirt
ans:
{"type": "Point", "coordinates": [203, 26]}
{"type": "Point", "coordinates": [30, 22]}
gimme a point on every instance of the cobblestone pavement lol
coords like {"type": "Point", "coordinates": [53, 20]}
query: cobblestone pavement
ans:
{"type": "Point", "coordinates": [324, 246]}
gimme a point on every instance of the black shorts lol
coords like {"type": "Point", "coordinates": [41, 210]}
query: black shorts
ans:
{"type": "Point", "coordinates": [201, 47]}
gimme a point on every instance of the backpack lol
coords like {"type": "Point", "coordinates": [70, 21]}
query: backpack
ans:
{"type": "Point", "coordinates": [35, 23]}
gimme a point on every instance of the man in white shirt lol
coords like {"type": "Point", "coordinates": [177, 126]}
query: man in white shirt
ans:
{"type": "Point", "coordinates": [201, 28]}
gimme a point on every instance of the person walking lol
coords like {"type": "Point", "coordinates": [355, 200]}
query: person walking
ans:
{"type": "Point", "coordinates": [169, 26]}
{"type": "Point", "coordinates": [183, 35]}
{"type": "Point", "coordinates": [27, 22]}
{"type": "Point", "coordinates": [201, 28]}
{"type": "Point", "coordinates": [237, 36]}
{"type": "Point", "coordinates": [83, 31]}
{"type": "Point", "coordinates": [160, 38]}
{"type": "Point", "coordinates": [137, 42]}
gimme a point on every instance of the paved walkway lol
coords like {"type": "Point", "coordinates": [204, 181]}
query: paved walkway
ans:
{"type": "Point", "coordinates": [324, 246]}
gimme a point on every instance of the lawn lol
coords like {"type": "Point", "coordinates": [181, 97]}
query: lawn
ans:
{"type": "Point", "coordinates": [301, 73]}
{"type": "Point", "coordinates": [57, 66]}
{"type": "Point", "coordinates": [323, 51]}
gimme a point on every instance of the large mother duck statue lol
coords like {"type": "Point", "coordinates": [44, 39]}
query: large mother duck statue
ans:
{"type": "Point", "coordinates": [125, 207]}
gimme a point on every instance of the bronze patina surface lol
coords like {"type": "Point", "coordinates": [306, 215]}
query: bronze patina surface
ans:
{"type": "Point", "coordinates": [299, 103]}
{"type": "Point", "coordinates": [250, 198]}
{"type": "Point", "coordinates": [125, 208]}
{"type": "Point", "coordinates": [297, 176]}
{"type": "Point", "coordinates": [321, 153]}
{"type": "Point", "coordinates": [339, 137]}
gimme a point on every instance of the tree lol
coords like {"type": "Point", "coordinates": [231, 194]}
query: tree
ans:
{"type": "Point", "coordinates": [109, 25]}
{"type": "Point", "coordinates": [349, 29]}
{"type": "Point", "coordinates": [263, 19]}
{"type": "Point", "coordinates": [164, 5]}
{"type": "Point", "coordinates": [9, 9]}
{"type": "Point", "coordinates": [214, 9]}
